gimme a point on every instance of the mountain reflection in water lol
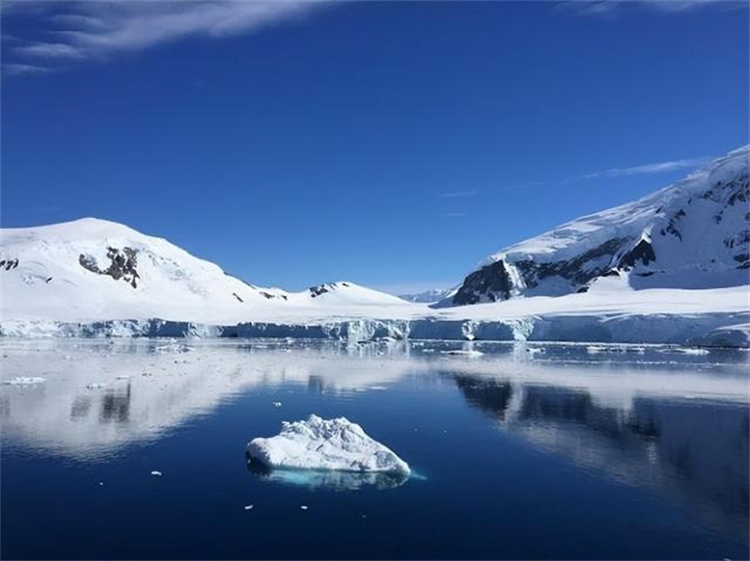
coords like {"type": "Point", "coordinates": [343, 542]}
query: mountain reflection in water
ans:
{"type": "Point", "coordinates": [694, 450]}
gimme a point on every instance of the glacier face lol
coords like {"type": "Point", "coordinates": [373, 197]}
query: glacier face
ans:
{"type": "Point", "coordinates": [693, 234]}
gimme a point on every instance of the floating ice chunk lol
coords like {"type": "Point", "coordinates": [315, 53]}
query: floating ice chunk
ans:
{"type": "Point", "coordinates": [173, 348]}
{"type": "Point", "coordinates": [303, 507]}
{"type": "Point", "coordinates": [157, 473]}
{"type": "Point", "coordinates": [249, 507]}
{"type": "Point", "coordinates": [277, 404]}
{"type": "Point", "coordinates": [319, 444]}
{"type": "Point", "coordinates": [463, 353]}
{"type": "Point", "coordinates": [25, 381]}
{"type": "Point", "coordinates": [690, 351]}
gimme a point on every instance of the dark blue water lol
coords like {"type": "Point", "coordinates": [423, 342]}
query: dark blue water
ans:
{"type": "Point", "coordinates": [561, 452]}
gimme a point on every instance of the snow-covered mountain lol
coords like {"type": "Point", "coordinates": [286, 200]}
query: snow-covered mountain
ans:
{"type": "Point", "coordinates": [693, 234]}
{"type": "Point", "coordinates": [428, 296]}
{"type": "Point", "coordinates": [93, 269]}
{"type": "Point", "coordinates": [670, 268]}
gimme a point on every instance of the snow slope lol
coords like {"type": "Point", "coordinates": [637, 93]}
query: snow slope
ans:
{"type": "Point", "coordinates": [93, 269]}
{"type": "Point", "coordinates": [693, 234]}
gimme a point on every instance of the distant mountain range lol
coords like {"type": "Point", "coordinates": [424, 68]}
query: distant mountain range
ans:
{"type": "Point", "coordinates": [428, 296]}
{"type": "Point", "coordinates": [670, 267]}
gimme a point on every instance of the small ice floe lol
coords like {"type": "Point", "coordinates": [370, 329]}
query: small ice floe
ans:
{"type": "Point", "coordinates": [174, 348]}
{"type": "Point", "coordinates": [595, 349]}
{"type": "Point", "coordinates": [156, 473]}
{"type": "Point", "coordinates": [25, 381]}
{"type": "Point", "coordinates": [303, 507]}
{"type": "Point", "coordinates": [249, 507]}
{"type": "Point", "coordinates": [689, 351]}
{"type": "Point", "coordinates": [101, 483]}
{"type": "Point", "coordinates": [457, 352]}
{"type": "Point", "coordinates": [277, 404]}
{"type": "Point", "coordinates": [378, 388]}
{"type": "Point", "coordinates": [320, 444]}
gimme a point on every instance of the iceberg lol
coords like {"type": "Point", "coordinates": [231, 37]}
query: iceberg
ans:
{"type": "Point", "coordinates": [325, 445]}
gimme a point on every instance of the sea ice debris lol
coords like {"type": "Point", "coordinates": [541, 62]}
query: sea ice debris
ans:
{"type": "Point", "coordinates": [463, 353]}
{"type": "Point", "coordinates": [25, 381]}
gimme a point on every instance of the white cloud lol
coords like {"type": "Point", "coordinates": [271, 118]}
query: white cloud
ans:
{"type": "Point", "coordinates": [456, 214]}
{"type": "Point", "coordinates": [17, 69]}
{"type": "Point", "coordinates": [102, 29]}
{"type": "Point", "coordinates": [659, 167]}
{"type": "Point", "coordinates": [644, 169]}
{"type": "Point", "coordinates": [457, 194]}
{"type": "Point", "coordinates": [49, 50]}
{"type": "Point", "coordinates": [611, 7]}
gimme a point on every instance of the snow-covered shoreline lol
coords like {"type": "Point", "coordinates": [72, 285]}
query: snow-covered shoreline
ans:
{"type": "Point", "coordinates": [686, 317]}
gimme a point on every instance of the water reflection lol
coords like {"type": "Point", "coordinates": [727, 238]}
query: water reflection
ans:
{"type": "Point", "coordinates": [336, 480]}
{"type": "Point", "coordinates": [682, 431]}
{"type": "Point", "coordinates": [695, 451]}
{"type": "Point", "coordinates": [101, 396]}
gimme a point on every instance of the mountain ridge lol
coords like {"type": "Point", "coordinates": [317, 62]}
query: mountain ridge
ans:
{"type": "Point", "coordinates": [691, 234]}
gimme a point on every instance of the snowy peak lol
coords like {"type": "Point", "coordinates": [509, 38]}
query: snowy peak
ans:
{"type": "Point", "coordinates": [345, 292]}
{"type": "Point", "coordinates": [693, 234]}
{"type": "Point", "coordinates": [92, 269]}
{"type": "Point", "coordinates": [95, 269]}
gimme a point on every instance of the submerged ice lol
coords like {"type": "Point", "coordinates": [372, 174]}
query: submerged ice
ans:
{"type": "Point", "coordinates": [320, 444]}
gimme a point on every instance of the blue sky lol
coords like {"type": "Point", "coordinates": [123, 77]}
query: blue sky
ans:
{"type": "Point", "coordinates": [393, 144]}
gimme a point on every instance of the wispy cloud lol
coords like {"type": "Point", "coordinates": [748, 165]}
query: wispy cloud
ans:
{"type": "Point", "coordinates": [457, 194]}
{"type": "Point", "coordinates": [16, 69]}
{"type": "Point", "coordinates": [457, 214]}
{"type": "Point", "coordinates": [647, 169]}
{"type": "Point", "coordinates": [99, 30]}
{"type": "Point", "coordinates": [644, 169]}
{"type": "Point", "coordinates": [608, 8]}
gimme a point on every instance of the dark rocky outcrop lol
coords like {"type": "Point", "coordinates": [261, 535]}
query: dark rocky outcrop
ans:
{"type": "Point", "coordinates": [122, 265]}
{"type": "Point", "coordinates": [491, 282]}
{"type": "Point", "coordinates": [316, 291]}
{"type": "Point", "coordinates": [643, 252]}
{"type": "Point", "coordinates": [8, 264]}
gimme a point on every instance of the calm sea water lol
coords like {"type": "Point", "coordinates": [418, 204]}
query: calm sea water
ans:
{"type": "Point", "coordinates": [557, 451]}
